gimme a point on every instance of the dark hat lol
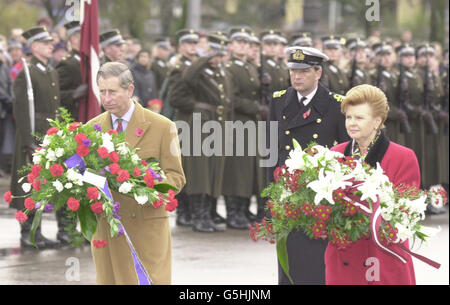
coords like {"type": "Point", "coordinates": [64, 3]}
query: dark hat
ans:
{"type": "Point", "coordinates": [38, 33]}
{"type": "Point", "coordinates": [240, 33]}
{"type": "Point", "coordinates": [405, 49]}
{"type": "Point", "coordinates": [382, 48]}
{"type": "Point", "coordinates": [425, 49]}
{"type": "Point", "coordinates": [72, 28]}
{"type": "Point", "coordinates": [163, 43]}
{"type": "Point", "coordinates": [332, 42]}
{"type": "Point", "coordinates": [187, 35]}
{"type": "Point", "coordinates": [14, 44]}
{"type": "Point", "coordinates": [304, 57]}
{"type": "Point", "coordinates": [270, 36]}
{"type": "Point", "coordinates": [59, 46]}
{"type": "Point", "coordinates": [218, 43]}
{"type": "Point", "coordinates": [111, 37]}
{"type": "Point", "coordinates": [302, 40]}
{"type": "Point", "coordinates": [356, 43]}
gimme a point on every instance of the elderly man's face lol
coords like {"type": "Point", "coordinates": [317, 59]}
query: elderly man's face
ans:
{"type": "Point", "coordinates": [115, 99]}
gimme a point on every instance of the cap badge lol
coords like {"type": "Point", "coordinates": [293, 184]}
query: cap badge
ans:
{"type": "Point", "coordinates": [298, 55]}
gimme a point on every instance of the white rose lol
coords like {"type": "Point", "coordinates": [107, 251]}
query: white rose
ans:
{"type": "Point", "coordinates": [59, 152]}
{"type": "Point", "coordinates": [58, 185]}
{"type": "Point", "coordinates": [125, 188]}
{"type": "Point", "coordinates": [36, 159]}
{"type": "Point", "coordinates": [26, 187]}
{"type": "Point", "coordinates": [46, 141]}
{"type": "Point", "coordinates": [141, 199]}
{"type": "Point", "coordinates": [68, 185]}
{"type": "Point", "coordinates": [51, 156]}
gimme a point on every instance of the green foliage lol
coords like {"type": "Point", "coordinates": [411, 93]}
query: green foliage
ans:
{"type": "Point", "coordinates": [16, 14]}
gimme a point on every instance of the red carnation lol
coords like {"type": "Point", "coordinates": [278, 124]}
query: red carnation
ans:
{"type": "Point", "coordinates": [79, 137]}
{"type": "Point", "coordinates": [143, 162]}
{"type": "Point", "coordinates": [114, 157]}
{"type": "Point", "coordinates": [56, 170]}
{"type": "Point", "coordinates": [102, 152]}
{"type": "Point", "coordinates": [114, 168]}
{"type": "Point", "coordinates": [36, 170]}
{"type": "Point", "coordinates": [73, 204]}
{"type": "Point", "coordinates": [136, 172]}
{"type": "Point", "coordinates": [112, 131]}
{"type": "Point", "coordinates": [97, 207]}
{"type": "Point", "coordinates": [171, 205]}
{"type": "Point", "coordinates": [82, 150]}
{"type": "Point", "coordinates": [148, 178]}
{"type": "Point", "coordinates": [52, 130]}
{"type": "Point", "coordinates": [30, 177]}
{"type": "Point", "coordinates": [276, 174]}
{"type": "Point", "coordinates": [158, 203]}
{"type": "Point", "coordinates": [36, 185]}
{"type": "Point", "coordinates": [124, 175]}
{"type": "Point", "coordinates": [29, 204]}
{"type": "Point", "coordinates": [21, 216]}
{"type": "Point", "coordinates": [74, 126]}
{"type": "Point", "coordinates": [92, 193]}
{"type": "Point", "coordinates": [99, 243]}
{"type": "Point", "coordinates": [7, 196]}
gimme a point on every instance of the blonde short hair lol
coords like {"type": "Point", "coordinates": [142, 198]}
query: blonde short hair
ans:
{"type": "Point", "coordinates": [367, 94]}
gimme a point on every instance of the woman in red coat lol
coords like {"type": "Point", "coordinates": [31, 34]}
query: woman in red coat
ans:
{"type": "Point", "coordinates": [365, 108]}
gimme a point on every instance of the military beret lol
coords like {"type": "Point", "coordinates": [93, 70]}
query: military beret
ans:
{"type": "Point", "coordinates": [302, 40]}
{"type": "Point", "coordinates": [332, 42]}
{"type": "Point", "coordinates": [304, 57]}
{"type": "Point", "coordinates": [405, 49]}
{"type": "Point", "coordinates": [111, 37]}
{"type": "Point", "coordinates": [72, 28]}
{"type": "Point", "coordinates": [240, 33]}
{"type": "Point", "coordinates": [38, 33]}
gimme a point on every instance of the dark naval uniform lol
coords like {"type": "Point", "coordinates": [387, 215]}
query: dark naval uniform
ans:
{"type": "Point", "coordinates": [320, 121]}
{"type": "Point", "coordinates": [69, 72]}
{"type": "Point", "coordinates": [325, 125]}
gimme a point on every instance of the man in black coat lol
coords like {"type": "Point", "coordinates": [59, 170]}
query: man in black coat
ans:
{"type": "Point", "coordinates": [306, 112]}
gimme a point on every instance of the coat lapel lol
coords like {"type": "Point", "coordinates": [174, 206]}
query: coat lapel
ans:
{"type": "Point", "coordinates": [137, 122]}
{"type": "Point", "coordinates": [376, 153]}
{"type": "Point", "coordinates": [318, 107]}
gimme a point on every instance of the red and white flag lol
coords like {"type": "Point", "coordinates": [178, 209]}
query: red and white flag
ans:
{"type": "Point", "coordinates": [90, 63]}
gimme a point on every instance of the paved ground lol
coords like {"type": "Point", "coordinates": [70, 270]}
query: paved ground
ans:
{"type": "Point", "coordinates": [219, 258]}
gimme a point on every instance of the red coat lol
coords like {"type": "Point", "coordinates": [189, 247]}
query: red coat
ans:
{"type": "Point", "coordinates": [348, 267]}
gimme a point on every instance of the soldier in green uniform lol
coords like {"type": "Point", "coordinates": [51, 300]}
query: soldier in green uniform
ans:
{"type": "Point", "coordinates": [242, 177]}
{"type": "Point", "coordinates": [433, 91]}
{"type": "Point", "coordinates": [181, 98]}
{"type": "Point", "coordinates": [271, 41]}
{"type": "Point", "coordinates": [385, 77]}
{"type": "Point", "coordinates": [160, 53]}
{"type": "Point", "coordinates": [43, 96]}
{"type": "Point", "coordinates": [333, 77]}
{"type": "Point", "coordinates": [357, 72]}
{"type": "Point", "coordinates": [113, 46]}
{"type": "Point", "coordinates": [212, 89]}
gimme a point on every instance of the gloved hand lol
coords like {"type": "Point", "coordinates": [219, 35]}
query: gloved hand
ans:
{"type": "Point", "coordinates": [80, 92]}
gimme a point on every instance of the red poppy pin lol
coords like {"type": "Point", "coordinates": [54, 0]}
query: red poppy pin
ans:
{"type": "Point", "coordinates": [139, 132]}
{"type": "Point", "coordinates": [306, 114]}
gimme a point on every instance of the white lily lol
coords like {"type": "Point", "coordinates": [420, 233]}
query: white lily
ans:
{"type": "Point", "coordinates": [326, 185]}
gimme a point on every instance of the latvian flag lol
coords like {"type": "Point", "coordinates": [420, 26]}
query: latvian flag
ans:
{"type": "Point", "coordinates": [90, 63]}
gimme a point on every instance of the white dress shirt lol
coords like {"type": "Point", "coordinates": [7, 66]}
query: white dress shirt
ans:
{"type": "Point", "coordinates": [125, 118]}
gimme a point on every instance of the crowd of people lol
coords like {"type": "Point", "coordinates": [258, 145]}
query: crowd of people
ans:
{"type": "Point", "coordinates": [231, 75]}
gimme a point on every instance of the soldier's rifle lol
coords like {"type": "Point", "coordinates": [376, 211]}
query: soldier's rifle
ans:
{"type": "Point", "coordinates": [428, 100]}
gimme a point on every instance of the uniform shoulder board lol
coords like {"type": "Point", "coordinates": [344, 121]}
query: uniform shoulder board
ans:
{"type": "Point", "coordinates": [209, 71]}
{"type": "Point", "coordinates": [337, 97]}
{"type": "Point", "coordinates": [271, 62]}
{"type": "Point", "coordinates": [238, 62]}
{"type": "Point", "coordinates": [77, 57]}
{"type": "Point", "coordinates": [409, 74]}
{"type": "Point", "coordinates": [387, 74]}
{"type": "Point", "coordinates": [279, 93]}
{"type": "Point", "coordinates": [333, 69]}
{"type": "Point", "coordinates": [161, 63]}
{"type": "Point", "coordinates": [41, 67]}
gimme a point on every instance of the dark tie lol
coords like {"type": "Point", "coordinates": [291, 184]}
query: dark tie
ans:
{"type": "Point", "coordinates": [304, 98]}
{"type": "Point", "coordinates": [119, 125]}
